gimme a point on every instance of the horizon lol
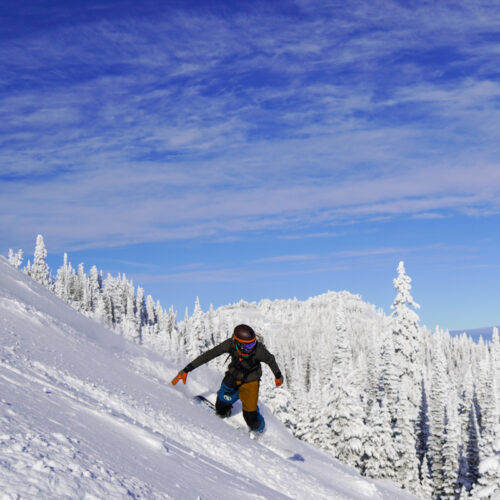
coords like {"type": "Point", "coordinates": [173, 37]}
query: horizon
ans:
{"type": "Point", "coordinates": [240, 152]}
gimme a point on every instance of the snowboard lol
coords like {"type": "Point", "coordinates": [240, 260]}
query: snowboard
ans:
{"type": "Point", "coordinates": [202, 400]}
{"type": "Point", "coordinates": [207, 404]}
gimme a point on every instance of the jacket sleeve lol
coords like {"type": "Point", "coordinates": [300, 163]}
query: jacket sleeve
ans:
{"type": "Point", "coordinates": [269, 359]}
{"type": "Point", "coordinates": [223, 347]}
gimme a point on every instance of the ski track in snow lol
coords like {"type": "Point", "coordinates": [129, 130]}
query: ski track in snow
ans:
{"type": "Point", "coordinates": [85, 414]}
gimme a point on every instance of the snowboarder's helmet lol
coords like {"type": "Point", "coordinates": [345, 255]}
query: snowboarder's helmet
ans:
{"type": "Point", "coordinates": [245, 340]}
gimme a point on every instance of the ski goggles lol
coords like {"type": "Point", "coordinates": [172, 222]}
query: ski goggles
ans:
{"type": "Point", "coordinates": [245, 345]}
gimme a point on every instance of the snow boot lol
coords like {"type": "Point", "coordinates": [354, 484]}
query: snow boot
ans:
{"type": "Point", "coordinates": [222, 409]}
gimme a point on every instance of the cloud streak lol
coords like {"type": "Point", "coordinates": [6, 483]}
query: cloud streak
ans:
{"type": "Point", "coordinates": [124, 130]}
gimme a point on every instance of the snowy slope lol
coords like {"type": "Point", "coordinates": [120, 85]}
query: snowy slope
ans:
{"type": "Point", "coordinates": [86, 414]}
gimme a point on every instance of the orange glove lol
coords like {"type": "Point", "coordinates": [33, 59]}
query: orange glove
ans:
{"type": "Point", "coordinates": [182, 375]}
{"type": "Point", "coordinates": [279, 381]}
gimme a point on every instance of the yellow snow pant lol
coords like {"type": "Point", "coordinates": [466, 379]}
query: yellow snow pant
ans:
{"type": "Point", "coordinates": [248, 394]}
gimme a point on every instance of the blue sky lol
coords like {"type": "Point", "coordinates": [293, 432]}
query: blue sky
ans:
{"type": "Point", "coordinates": [243, 150]}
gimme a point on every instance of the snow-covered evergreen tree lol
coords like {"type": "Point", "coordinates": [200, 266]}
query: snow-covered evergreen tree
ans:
{"type": "Point", "coordinates": [150, 310]}
{"type": "Point", "coordinates": [437, 404]}
{"type": "Point", "coordinates": [422, 431]}
{"type": "Point", "coordinates": [81, 292]}
{"type": "Point", "coordinates": [196, 332]}
{"type": "Point", "coordinates": [95, 289]}
{"type": "Point", "coordinates": [40, 270]}
{"type": "Point", "coordinates": [466, 396]}
{"type": "Point", "coordinates": [489, 469]}
{"type": "Point", "coordinates": [61, 286]}
{"type": "Point", "coordinates": [406, 335]}
{"type": "Point", "coordinates": [140, 308]}
{"type": "Point", "coordinates": [345, 419]}
{"type": "Point", "coordinates": [472, 450]}
{"type": "Point", "coordinates": [15, 259]}
{"type": "Point", "coordinates": [425, 481]}
{"type": "Point", "coordinates": [131, 327]}
{"type": "Point", "coordinates": [379, 451]}
{"type": "Point", "coordinates": [280, 403]}
{"type": "Point", "coordinates": [112, 293]}
{"type": "Point", "coordinates": [406, 464]}
{"type": "Point", "coordinates": [388, 377]}
{"type": "Point", "coordinates": [450, 454]}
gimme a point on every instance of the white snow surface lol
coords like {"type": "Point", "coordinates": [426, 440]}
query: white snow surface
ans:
{"type": "Point", "coordinates": [87, 414]}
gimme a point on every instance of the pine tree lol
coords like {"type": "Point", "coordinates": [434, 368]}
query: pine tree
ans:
{"type": "Point", "coordinates": [171, 335]}
{"type": "Point", "coordinates": [495, 349]}
{"type": "Point", "coordinates": [313, 426]}
{"type": "Point", "coordinates": [495, 368]}
{"type": "Point", "coordinates": [489, 481]}
{"type": "Point", "coordinates": [422, 431]}
{"type": "Point", "coordinates": [40, 269]}
{"type": "Point", "coordinates": [101, 310]}
{"type": "Point", "coordinates": [425, 481]}
{"type": "Point", "coordinates": [279, 402]}
{"type": "Point", "coordinates": [112, 294]}
{"type": "Point", "coordinates": [140, 308]}
{"type": "Point", "coordinates": [406, 464]}
{"type": "Point", "coordinates": [450, 453]}
{"type": "Point", "coordinates": [62, 280]}
{"type": "Point", "coordinates": [95, 288]}
{"type": "Point", "coordinates": [372, 376]}
{"type": "Point", "coordinates": [130, 325]}
{"type": "Point", "coordinates": [439, 390]}
{"type": "Point", "coordinates": [184, 344]}
{"type": "Point", "coordinates": [345, 419]}
{"type": "Point", "coordinates": [389, 381]}
{"type": "Point", "coordinates": [466, 400]}
{"type": "Point", "coordinates": [15, 259]}
{"type": "Point", "coordinates": [406, 336]}
{"type": "Point", "coordinates": [379, 452]}
{"type": "Point", "coordinates": [197, 333]}
{"type": "Point", "coordinates": [81, 289]}
{"type": "Point", "coordinates": [462, 481]}
{"type": "Point", "coordinates": [150, 310]}
{"type": "Point", "coordinates": [210, 334]}
{"type": "Point", "coordinates": [472, 450]}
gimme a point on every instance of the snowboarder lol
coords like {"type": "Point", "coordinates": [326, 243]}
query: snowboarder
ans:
{"type": "Point", "coordinates": [243, 374]}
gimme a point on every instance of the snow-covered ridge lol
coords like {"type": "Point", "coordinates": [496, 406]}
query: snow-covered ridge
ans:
{"type": "Point", "coordinates": [86, 414]}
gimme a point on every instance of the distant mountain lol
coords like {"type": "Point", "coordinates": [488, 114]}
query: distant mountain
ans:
{"type": "Point", "coordinates": [475, 333]}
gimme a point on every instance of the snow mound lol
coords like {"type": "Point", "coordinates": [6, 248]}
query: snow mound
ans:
{"type": "Point", "coordinates": [86, 414]}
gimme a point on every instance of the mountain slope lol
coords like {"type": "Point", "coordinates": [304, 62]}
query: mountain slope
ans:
{"type": "Point", "coordinates": [86, 414]}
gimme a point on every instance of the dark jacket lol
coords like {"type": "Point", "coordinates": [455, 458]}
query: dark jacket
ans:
{"type": "Point", "coordinates": [241, 369]}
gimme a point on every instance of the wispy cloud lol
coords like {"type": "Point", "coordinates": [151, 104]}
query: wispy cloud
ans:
{"type": "Point", "coordinates": [429, 215]}
{"type": "Point", "coordinates": [190, 125]}
{"type": "Point", "coordinates": [371, 252]}
{"type": "Point", "coordinates": [286, 258]}
{"type": "Point", "coordinates": [305, 236]}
